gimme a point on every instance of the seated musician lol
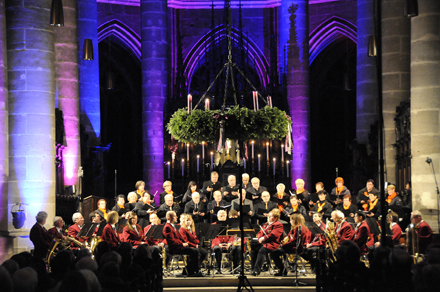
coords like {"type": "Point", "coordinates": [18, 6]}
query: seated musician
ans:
{"type": "Point", "coordinates": [266, 205]}
{"type": "Point", "coordinates": [167, 206]}
{"type": "Point", "coordinates": [102, 208]}
{"type": "Point", "coordinates": [109, 232]}
{"type": "Point", "coordinates": [132, 232]}
{"type": "Point", "coordinates": [269, 238]}
{"type": "Point", "coordinates": [217, 202]}
{"type": "Point", "coordinates": [192, 188]}
{"type": "Point", "coordinates": [75, 228]}
{"type": "Point", "coordinates": [210, 186]}
{"type": "Point", "coordinates": [167, 190]}
{"type": "Point", "coordinates": [295, 242]}
{"type": "Point", "coordinates": [120, 206]}
{"type": "Point", "coordinates": [195, 208]}
{"type": "Point", "coordinates": [255, 191]}
{"type": "Point", "coordinates": [154, 220]}
{"type": "Point", "coordinates": [361, 232]}
{"type": "Point", "coordinates": [57, 231]}
{"type": "Point", "coordinates": [281, 198]}
{"type": "Point", "coordinates": [236, 205]}
{"type": "Point", "coordinates": [317, 244]}
{"type": "Point", "coordinates": [363, 195]}
{"type": "Point", "coordinates": [393, 219]}
{"type": "Point", "coordinates": [344, 231]}
{"type": "Point", "coordinates": [295, 207]}
{"type": "Point", "coordinates": [140, 189]}
{"type": "Point", "coordinates": [393, 199]}
{"type": "Point", "coordinates": [338, 192]}
{"type": "Point", "coordinates": [222, 243]}
{"type": "Point", "coordinates": [424, 233]}
{"type": "Point", "coordinates": [230, 192]}
{"type": "Point", "coordinates": [322, 206]}
{"type": "Point", "coordinates": [302, 194]}
{"type": "Point", "coordinates": [39, 236]}
{"type": "Point", "coordinates": [188, 234]}
{"type": "Point", "coordinates": [347, 208]}
{"type": "Point", "coordinates": [177, 246]}
{"type": "Point", "coordinates": [132, 200]}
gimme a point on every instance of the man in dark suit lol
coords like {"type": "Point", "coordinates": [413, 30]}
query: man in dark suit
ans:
{"type": "Point", "coordinates": [39, 236]}
{"type": "Point", "coordinates": [210, 186]}
{"type": "Point", "coordinates": [177, 246]}
{"type": "Point", "coordinates": [254, 192]}
{"type": "Point", "coordinates": [168, 206]}
{"type": "Point", "coordinates": [195, 208]}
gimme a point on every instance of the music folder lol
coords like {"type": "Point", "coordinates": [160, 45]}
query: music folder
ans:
{"type": "Point", "coordinates": [148, 207]}
{"type": "Point", "coordinates": [315, 229]}
{"type": "Point", "coordinates": [226, 208]}
{"type": "Point", "coordinates": [246, 208]}
{"type": "Point", "coordinates": [155, 232]}
{"type": "Point", "coordinates": [87, 230]}
{"type": "Point", "coordinates": [262, 211]}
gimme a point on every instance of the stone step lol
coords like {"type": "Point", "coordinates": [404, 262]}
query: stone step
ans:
{"type": "Point", "coordinates": [255, 288]}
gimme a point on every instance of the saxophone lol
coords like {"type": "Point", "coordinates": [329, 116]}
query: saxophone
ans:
{"type": "Point", "coordinates": [331, 237]}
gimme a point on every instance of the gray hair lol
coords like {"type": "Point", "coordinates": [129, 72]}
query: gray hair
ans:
{"type": "Point", "coordinates": [41, 216]}
{"type": "Point", "coordinates": [76, 216]}
{"type": "Point", "coordinates": [167, 196]}
{"type": "Point", "coordinates": [338, 214]}
{"type": "Point", "coordinates": [245, 175]}
{"type": "Point", "coordinates": [56, 218]}
{"type": "Point", "coordinates": [255, 179]}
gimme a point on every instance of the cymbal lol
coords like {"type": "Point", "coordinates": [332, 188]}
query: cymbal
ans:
{"type": "Point", "coordinates": [430, 211]}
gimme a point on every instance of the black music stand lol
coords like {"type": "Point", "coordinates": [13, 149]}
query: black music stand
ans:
{"type": "Point", "coordinates": [87, 230]}
{"type": "Point", "coordinates": [213, 231]}
{"type": "Point", "coordinates": [155, 232]}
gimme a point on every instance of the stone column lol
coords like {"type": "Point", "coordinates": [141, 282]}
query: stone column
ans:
{"type": "Point", "coordinates": [396, 35]}
{"type": "Point", "coordinates": [30, 46]}
{"type": "Point", "coordinates": [425, 106]}
{"type": "Point", "coordinates": [155, 69]}
{"type": "Point", "coordinates": [366, 84]}
{"type": "Point", "coordinates": [294, 45]}
{"type": "Point", "coordinates": [66, 82]}
{"type": "Point", "coordinates": [89, 98]}
{"type": "Point", "coordinates": [4, 153]}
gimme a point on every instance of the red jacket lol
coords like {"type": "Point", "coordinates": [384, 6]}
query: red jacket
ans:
{"type": "Point", "coordinates": [41, 240]}
{"type": "Point", "coordinates": [425, 236]}
{"type": "Point", "coordinates": [189, 237]}
{"type": "Point", "coordinates": [361, 236]}
{"type": "Point", "coordinates": [109, 235]}
{"type": "Point", "coordinates": [345, 232]}
{"type": "Point", "coordinates": [73, 231]}
{"type": "Point", "coordinates": [290, 245]}
{"type": "Point", "coordinates": [397, 233]}
{"type": "Point", "coordinates": [153, 241]}
{"type": "Point", "coordinates": [319, 239]}
{"type": "Point", "coordinates": [131, 236]}
{"type": "Point", "coordinates": [53, 232]}
{"type": "Point", "coordinates": [175, 242]}
{"type": "Point", "coordinates": [274, 232]}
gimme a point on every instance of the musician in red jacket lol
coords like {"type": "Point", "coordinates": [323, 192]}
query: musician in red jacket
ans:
{"type": "Point", "coordinates": [177, 246]}
{"type": "Point", "coordinates": [154, 220]}
{"type": "Point", "coordinates": [75, 228]}
{"type": "Point", "coordinates": [424, 232]}
{"type": "Point", "coordinates": [344, 231]}
{"type": "Point", "coordinates": [57, 231]}
{"type": "Point", "coordinates": [109, 232]}
{"type": "Point", "coordinates": [296, 240]}
{"type": "Point", "coordinates": [187, 232]}
{"type": "Point", "coordinates": [361, 232]}
{"type": "Point", "coordinates": [39, 236]}
{"type": "Point", "coordinates": [392, 219]}
{"type": "Point", "coordinates": [222, 243]}
{"type": "Point", "coordinates": [269, 238]}
{"type": "Point", "coordinates": [132, 232]}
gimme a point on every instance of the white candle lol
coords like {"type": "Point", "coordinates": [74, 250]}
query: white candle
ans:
{"type": "Point", "coordinates": [255, 99]}
{"type": "Point", "coordinates": [267, 152]}
{"type": "Point", "coordinates": [189, 103]}
{"type": "Point", "coordinates": [183, 167]}
{"type": "Point", "coordinates": [168, 163]}
{"type": "Point", "coordinates": [212, 160]}
{"type": "Point", "coordinates": [259, 156]}
{"type": "Point", "coordinates": [252, 149]}
{"type": "Point", "coordinates": [244, 164]}
{"type": "Point", "coordinates": [198, 160]}
{"type": "Point", "coordinates": [282, 152]}
{"type": "Point", "coordinates": [269, 100]}
{"type": "Point", "coordinates": [274, 164]}
{"type": "Point", "coordinates": [287, 167]}
{"type": "Point", "coordinates": [187, 151]}
{"type": "Point", "coordinates": [207, 104]}
{"type": "Point", "coordinates": [203, 151]}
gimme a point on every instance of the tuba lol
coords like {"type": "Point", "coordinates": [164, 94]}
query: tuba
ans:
{"type": "Point", "coordinates": [51, 253]}
{"type": "Point", "coordinates": [412, 241]}
{"type": "Point", "coordinates": [93, 244]}
{"type": "Point", "coordinates": [332, 240]}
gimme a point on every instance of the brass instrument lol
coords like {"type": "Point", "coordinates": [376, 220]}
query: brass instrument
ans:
{"type": "Point", "coordinates": [77, 242]}
{"type": "Point", "coordinates": [51, 251]}
{"type": "Point", "coordinates": [412, 239]}
{"type": "Point", "coordinates": [285, 240]}
{"type": "Point", "coordinates": [331, 237]}
{"type": "Point", "coordinates": [93, 243]}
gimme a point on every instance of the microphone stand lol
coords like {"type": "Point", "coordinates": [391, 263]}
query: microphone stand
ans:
{"type": "Point", "coordinates": [429, 161]}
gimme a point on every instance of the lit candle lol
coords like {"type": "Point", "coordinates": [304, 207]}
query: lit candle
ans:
{"type": "Point", "coordinates": [255, 99]}
{"type": "Point", "coordinates": [267, 152]}
{"type": "Point", "coordinates": [198, 160]}
{"type": "Point", "coordinates": [189, 103]}
{"type": "Point", "coordinates": [203, 151]}
{"type": "Point", "coordinates": [212, 160]}
{"type": "Point", "coordinates": [282, 152]}
{"type": "Point", "coordinates": [183, 167]}
{"type": "Point", "coordinates": [168, 163]}
{"type": "Point", "coordinates": [187, 151]}
{"type": "Point", "coordinates": [259, 168]}
{"type": "Point", "coordinates": [207, 104]}
{"type": "Point", "coordinates": [287, 167]}
{"type": "Point", "coordinates": [252, 149]}
{"type": "Point", "coordinates": [274, 164]}
{"type": "Point", "coordinates": [269, 100]}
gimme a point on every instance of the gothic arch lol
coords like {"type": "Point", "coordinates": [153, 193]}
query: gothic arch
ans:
{"type": "Point", "coordinates": [219, 33]}
{"type": "Point", "coordinates": [124, 34]}
{"type": "Point", "coordinates": [329, 31]}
